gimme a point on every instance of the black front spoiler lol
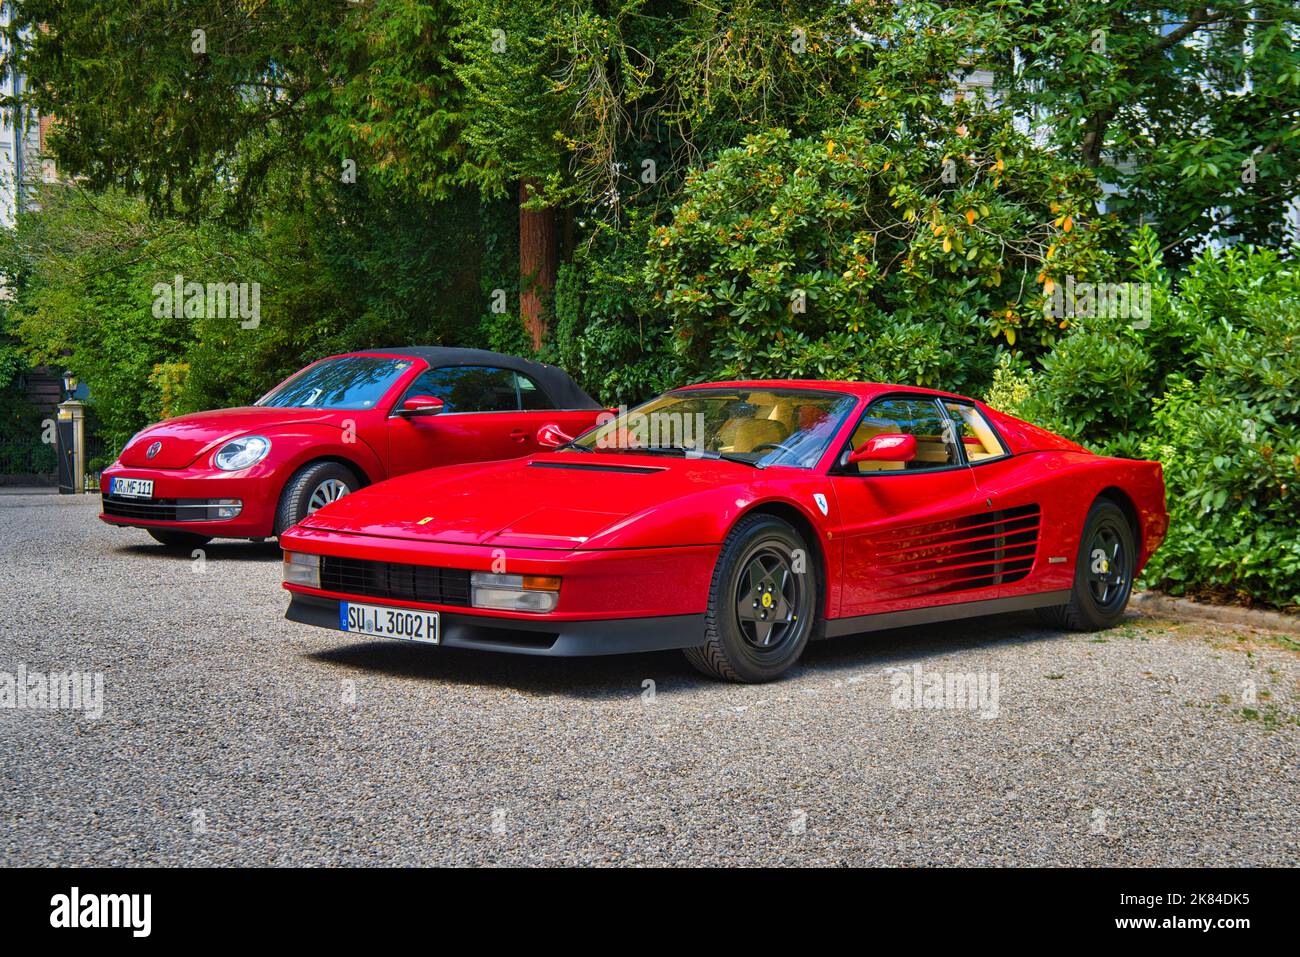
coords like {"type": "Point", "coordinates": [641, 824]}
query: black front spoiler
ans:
{"type": "Point", "coordinates": [557, 639]}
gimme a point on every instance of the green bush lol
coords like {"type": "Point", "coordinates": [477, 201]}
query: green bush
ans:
{"type": "Point", "coordinates": [1097, 384]}
{"type": "Point", "coordinates": [606, 332]}
{"type": "Point", "coordinates": [341, 275]}
{"type": "Point", "coordinates": [1209, 389]}
{"type": "Point", "coordinates": [860, 253]}
{"type": "Point", "coordinates": [1228, 433]}
{"type": "Point", "coordinates": [19, 419]}
{"type": "Point", "coordinates": [1011, 386]}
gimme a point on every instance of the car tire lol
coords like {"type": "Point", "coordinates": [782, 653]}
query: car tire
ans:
{"type": "Point", "coordinates": [178, 539]}
{"type": "Point", "coordinates": [765, 569]}
{"type": "Point", "coordinates": [1103, 572]}
{"type": "Point", "coordinates": [314, 485]}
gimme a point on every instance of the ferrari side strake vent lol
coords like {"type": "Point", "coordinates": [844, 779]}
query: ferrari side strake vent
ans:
{"type": "Point", "coordinates": [582, 467]}
{"type": "Point", "coordinates": [975, 551]}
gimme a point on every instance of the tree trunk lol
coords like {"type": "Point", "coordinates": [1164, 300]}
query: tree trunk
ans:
{"type": "Point", "coordinates": [538, 259]}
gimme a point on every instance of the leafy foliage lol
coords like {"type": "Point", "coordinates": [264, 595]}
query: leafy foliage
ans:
{"type": "Point", "coordinates": [84, 285]}
{"type": "Point", "coordinates": [190, 121]}
{"type": "Point", "coordinates": [761, 187]}
{"type": "Point", "coordinates": [1189, 109]}
{"type": "Point", "coordinates": [22, 431]}
{"type": "Point", "coordinates": [332, 278]}
{"type": "Point", "coordinates": [863, 253]}
{"type": "Point", "coordinates": [1228, 434]}
{"type": "Point", "coordinates": [1208, 390]}
{"type": "Point", "coordinates": [607, 334]}
{"type": "Point", "coordinates": [394, 105]}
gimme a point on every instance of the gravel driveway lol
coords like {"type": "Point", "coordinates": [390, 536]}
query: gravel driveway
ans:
{"type": "Point", "coordinates": [230, 736]}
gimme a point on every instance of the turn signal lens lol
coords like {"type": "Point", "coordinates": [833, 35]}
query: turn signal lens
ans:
{"type": "Point", "coordinates": [532, 593]}
{"type": "Point", "coordinates": [542, 582]}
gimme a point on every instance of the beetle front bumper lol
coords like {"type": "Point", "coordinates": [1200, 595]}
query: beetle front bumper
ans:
{"type": "Point", "coordinates": [186, 500]}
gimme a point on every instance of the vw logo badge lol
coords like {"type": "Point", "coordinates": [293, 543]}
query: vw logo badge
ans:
{"type": "Point", "coordinates": [153, 450]}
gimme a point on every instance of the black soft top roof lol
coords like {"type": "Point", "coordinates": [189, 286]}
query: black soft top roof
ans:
{"type": "Point", "coordinates": [555, 382]}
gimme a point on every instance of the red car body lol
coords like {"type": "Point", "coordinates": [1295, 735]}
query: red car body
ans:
{"type": "Point", "coordinates": [635, 540]}
{"type": "Point", "coordinates": [374, 443]}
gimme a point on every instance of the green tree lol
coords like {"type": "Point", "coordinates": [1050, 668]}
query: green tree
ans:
{"type": "Point", "coordinates": [1190, 110]}
{"type": "Point", "coordinates": [191, 106]}
{"type": "Point", "coordinates": [853, 256]}
{"type": "Point", "coordinates": [335, 275]}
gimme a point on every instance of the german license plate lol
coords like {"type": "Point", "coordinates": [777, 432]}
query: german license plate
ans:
{"type": "Point", "coordinates": [131, 488]}
{"type": "Point", "coordinates": [405, 624]}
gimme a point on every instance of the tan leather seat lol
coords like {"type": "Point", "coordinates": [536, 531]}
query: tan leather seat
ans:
{"type": "Point", "coordinates": [727, 434]}
{"type": "Point", "coordinates": [933, 449]}
{"type": "Point", "coordinates": [754, 432]}
{"type": "Point", "coordinates": [728, 430]}
{"type": "Point", "coordinates": [783, 413]}
{"type": "Point", "coordinates": [763, 402]}
{"type": "Point", "coordinates": [775, 414]}
{"type": "Point", "coordinates": [985, 444]}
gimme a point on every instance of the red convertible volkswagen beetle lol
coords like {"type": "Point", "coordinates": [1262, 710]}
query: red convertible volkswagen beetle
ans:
{"type": "Point", "coordinates": [736, 521]}
{"type": "Point", "coordinates": [337, 425]}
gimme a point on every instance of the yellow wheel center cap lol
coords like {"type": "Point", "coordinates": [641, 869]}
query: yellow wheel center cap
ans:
{"type": "Point", "coordinates": [767, 600]}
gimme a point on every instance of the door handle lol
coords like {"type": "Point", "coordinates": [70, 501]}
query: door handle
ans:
{"type": "Point", "coordinates": [518, 435]}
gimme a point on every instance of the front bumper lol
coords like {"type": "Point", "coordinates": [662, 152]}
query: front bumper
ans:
{"type": "Point", "coordinates": [256, 489]}
{"type": "Point", "coordinates": [547, 637]}
{"type": "Point", "coordinates": [610, 601]}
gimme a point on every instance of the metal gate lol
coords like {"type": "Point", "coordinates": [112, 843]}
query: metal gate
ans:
{"type": "Point", "coordinates": [66, 448]}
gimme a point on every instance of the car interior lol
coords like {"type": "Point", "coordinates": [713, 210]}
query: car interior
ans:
{"type": "Point", "coordinates": [977, 436]}
{"type": "Point", "coordinates": [773, 420]}
{"type": "Point", "coordinates": [933, 449]}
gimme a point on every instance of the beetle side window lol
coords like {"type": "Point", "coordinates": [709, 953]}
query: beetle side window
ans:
{"type": "Point", "coordinates": [468, 388]}
{"type": "Point", "coordinates": [921, 418]}
{"type": "Point", "coordinates": [531, 396]}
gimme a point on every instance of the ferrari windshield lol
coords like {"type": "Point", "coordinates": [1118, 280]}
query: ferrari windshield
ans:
{"type": "Point", "coordinates": [344, 382]}
{"type": "Point", "coordinates": [760, 427]}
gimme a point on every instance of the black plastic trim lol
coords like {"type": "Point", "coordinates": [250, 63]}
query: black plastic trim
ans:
{"type": "Point", "coordinates": [836, 627]}
{"type": "Point", "coordinates": [581, 467]}
{"type": "Point", "coordinates": [546, 637]}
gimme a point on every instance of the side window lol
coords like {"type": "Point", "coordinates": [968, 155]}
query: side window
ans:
{"type": "Point", "coordinates": [921, 418]}
{"type": "Point", "coordinates": [468, 388]}
{"type": "Point", "coordinates": [531, 395]}
{"type": "Point", "coordinates": [974, 432]}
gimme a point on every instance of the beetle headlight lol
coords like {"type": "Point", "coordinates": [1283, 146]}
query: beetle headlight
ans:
{"type": "Point", "coordinates": [535, 593]}
{"type": "Point", "coordinates": [300, 569]}
{"type": "Point", "coordinates": [241, 453]}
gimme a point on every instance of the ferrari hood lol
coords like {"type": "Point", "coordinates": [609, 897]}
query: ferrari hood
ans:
{"type": "Point", "coordinates": [555, 500]}
{"type": "Point", "coordinates": [183, 439]}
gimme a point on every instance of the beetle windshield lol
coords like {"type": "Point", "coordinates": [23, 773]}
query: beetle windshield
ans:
{"type": "Point", "coordinates": [345, 382]}
{"type": "Point", "coordinates": [760, 427]}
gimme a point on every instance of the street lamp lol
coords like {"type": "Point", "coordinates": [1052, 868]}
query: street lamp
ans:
{"type": "Point", "coordinates": [69, 385]}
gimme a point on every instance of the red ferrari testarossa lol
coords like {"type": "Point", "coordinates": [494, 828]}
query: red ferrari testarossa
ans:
{"type": "Point", "coordinates": [737, 520]}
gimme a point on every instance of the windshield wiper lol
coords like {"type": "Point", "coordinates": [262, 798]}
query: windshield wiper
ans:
{"type": "Point", "coordinates": [669, 450]}
{"type": "Point", "coordinates": [573, 445]}
{"type": "Point", "coordinates": [733, 457]}
{"type": "Point", "coordinates": [695, 454]}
